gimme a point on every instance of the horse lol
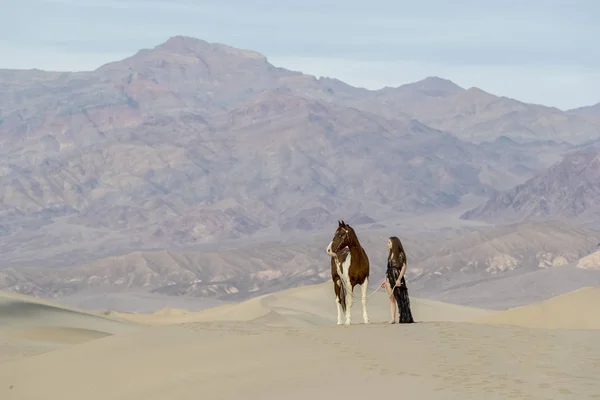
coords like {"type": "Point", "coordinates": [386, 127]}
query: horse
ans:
{"type": "Point", "coordinates": [349, 267]}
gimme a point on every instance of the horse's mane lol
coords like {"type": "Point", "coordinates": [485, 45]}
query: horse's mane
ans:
{"type": "Point", "coordinates": [352, 237]}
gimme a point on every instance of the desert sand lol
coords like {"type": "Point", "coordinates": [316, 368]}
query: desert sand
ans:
{"type": "Point", "coordinates": [286, 345]}
{"type": "Point", "coordinates": [573, 310]}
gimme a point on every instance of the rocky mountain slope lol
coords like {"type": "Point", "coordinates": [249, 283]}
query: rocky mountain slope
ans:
{"type": "Point", "coordinates": [475, 115]}
{"type": "Point", "coordinates": [590, 261]}
{"type": "Point", "coordinates": [593, 111]}
{"type": "Point", "coordinates": [437, 265]}
{"type": "Point", "coordinates": [568, 190]}
{"type": "Point", "coordinates": [192, 142]}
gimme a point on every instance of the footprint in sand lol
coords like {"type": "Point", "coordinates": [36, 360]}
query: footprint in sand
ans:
{"type": "Point", "coordinates": [359, 355]}
{"type": "Point", "coordinates": [519, 396]}
{"type": "Point", "coordinates": [499, 386]}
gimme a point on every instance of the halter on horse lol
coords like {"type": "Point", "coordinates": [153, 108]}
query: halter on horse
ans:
{"type": "Point", "coordinates": [349, 267]}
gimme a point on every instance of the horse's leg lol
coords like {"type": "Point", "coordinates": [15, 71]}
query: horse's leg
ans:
{"type": "Point", "coordinates": [363, 292]}
{"type": "Point", "coordinates": [337, 301]}
{"type": "Point", "coordinates": [349, 290]}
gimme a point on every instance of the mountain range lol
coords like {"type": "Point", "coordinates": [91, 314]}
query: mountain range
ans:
{"type": "Point", "coordinates": [569, 189]}
{"type": "Point", "coordinates": [593, 111]}
{"type": "Point", "coordinates": [192, 145]}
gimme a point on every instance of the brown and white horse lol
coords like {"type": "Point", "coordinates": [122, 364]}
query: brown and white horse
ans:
{"type": "Point", "coordinates": [349, 267]}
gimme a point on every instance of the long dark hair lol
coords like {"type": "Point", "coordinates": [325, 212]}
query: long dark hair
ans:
{"type": "Point", "coordinates": [397, 256]}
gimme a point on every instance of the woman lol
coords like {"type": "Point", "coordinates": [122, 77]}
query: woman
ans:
{"type": "Point", "coordinates": [395, 283]}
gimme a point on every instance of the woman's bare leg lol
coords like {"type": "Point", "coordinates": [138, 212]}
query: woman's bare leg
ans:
{"type": "Point", "coordinates": [392, 303]}
{"type": "Point", "coordinates": [392, 310]}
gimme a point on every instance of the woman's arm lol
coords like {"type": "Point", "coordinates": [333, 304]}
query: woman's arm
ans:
{"type": "Point", "coordinates": [402, 271]}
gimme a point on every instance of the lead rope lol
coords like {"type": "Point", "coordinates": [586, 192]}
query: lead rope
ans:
{"type": "Point", "coordinates": [372, 293]}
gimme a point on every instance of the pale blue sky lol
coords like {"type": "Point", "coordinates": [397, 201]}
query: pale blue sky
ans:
{"type": "Point", "coordinates": [542, 51]}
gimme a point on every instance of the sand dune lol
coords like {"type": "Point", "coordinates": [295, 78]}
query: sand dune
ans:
{"type": "Point", "coordinates": [32, 326]}
{"type": "Point", "coordinates": [306, 305]}
{"type": "Point", "coordinates": [574, 310]}
{"type": "Point", "coordinates": [286, 345]}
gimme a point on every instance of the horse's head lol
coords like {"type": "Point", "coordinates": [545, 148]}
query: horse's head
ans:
{"type": "Point", "coordinates": [341, 238]}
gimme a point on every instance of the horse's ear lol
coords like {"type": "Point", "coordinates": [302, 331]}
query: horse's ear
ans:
{"type": "Point", "coordinates": [343, 223]}
{"type": "Point", "coordinates": [339, 223]}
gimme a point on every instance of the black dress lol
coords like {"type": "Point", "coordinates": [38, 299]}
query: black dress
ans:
{"type": "Point", "coordinates": [400, 294]}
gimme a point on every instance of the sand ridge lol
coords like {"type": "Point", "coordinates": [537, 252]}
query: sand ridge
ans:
{"type": "Point", "coordinates": [573, 310]}
{"type": "Point", "coordinates": [306, 305]}
{"type": "Point", "coordinates": [31, 326]}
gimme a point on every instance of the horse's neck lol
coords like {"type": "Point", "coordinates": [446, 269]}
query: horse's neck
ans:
{"type": "Point", "coordinates": [341, 255]}
{"type": "Point", "coordinates": [354, 243]}
{"type": "Point", "coordinates": [342, 252]}
{"type": "Point", "coordinates": [355, 247]}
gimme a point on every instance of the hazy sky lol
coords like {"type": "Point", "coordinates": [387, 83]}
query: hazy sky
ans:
{"type": "Point", "coordinates": [540, 51]}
